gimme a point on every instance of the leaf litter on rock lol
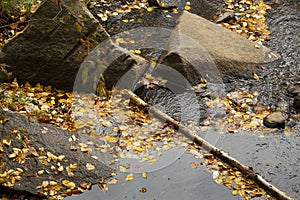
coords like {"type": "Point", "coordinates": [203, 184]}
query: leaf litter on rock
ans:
{"type": "Point", "coordinates": [248, 20]}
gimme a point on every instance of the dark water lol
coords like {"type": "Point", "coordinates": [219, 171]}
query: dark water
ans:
{"type": "Point", "coordinates": [276, 157]}
{"type": "Point", "coordinates": [176, 181]}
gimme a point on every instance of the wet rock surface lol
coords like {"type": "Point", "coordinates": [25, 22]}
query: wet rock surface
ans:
{"type": "Point", "coordinates": [277, 78]}
{"type": "Point", "coordinates": [181, 106]}
{"type": "Point", "coordinates": [233, 55]}
{"type": "Point", "coordinates": [41, 147]}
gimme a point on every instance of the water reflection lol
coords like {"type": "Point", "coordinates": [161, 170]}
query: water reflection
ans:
{"type": "Point", "coordinates": [177, 181]}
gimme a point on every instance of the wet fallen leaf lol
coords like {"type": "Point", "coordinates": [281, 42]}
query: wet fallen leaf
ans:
{"type": "Point", "coordinates": [89, 166]}
{"type": "Point", "coordinates": [60, 169]}
{"type": "Point", "coordinates": [129, 177]}
{"type": "Point", "coordinates": [143, 190]}
{"type": "Point", "coordinates": [122, 168]}
{"type": "Point", "coordinates": [215, 174]}
{"type": "Point", "coordinates": [69, 184]}
{"type": "Point", "coordinates": [193, 165]}
{"type": "Point", "coordinates": [187, 7]}
{"type": "Point", "coordinates": [111, 138]}
{"type": "Point", "coordinates": [144, 175]}
{"type": "Point", "coordinates": [113, 181]}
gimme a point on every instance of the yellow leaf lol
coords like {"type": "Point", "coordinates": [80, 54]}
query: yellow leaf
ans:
{"type": "Point", "coordinates": [14, 26]}
{"type": "Point", "coordinates": [107, 124]}
{"type": "Point", "coordinates": [234, 192]}
{"type": "Point", "coordinates": [103, 186]}
{"type": "Point", "coordinates": [89, 166]}
{"type": "Point", "coordinates": [113, 181]}
{"type": "Point", "coordinates": [187, 7]}
{"type": "Point", "coordinates": [68, 184]}
{"type": "Point", "coordinates": [150, 9]}
{"type": "Point", "coordinates": [218, 181]}
{"type": "Point", "coordinates": [60, 169]}
{"type": "Point", "coordinates": [120, 40]}
{"type": "Point", "coordinates": [125, 20]}
{"type": "Point", "coordinates": [73, 166]}
{"type": "Point", "coordinates": [7, 140]}
{"type": "Point", "coordinates": [53, 183]}
{"type": "Point", "coordinates": [79, 28]}
{"type": "Point", "coordinates": [122, 168]}
{"type": "Point", "coordinates": [256, 77]}
{"type": "Point", "coordinates": [193, 165]}
{"type": "Point", "coordinates": [144, 175]}
{"type": "Point", "coordinates": [129, 177]}
{"type": "Point", "coordinates": [61, 157]}
{"type": "Point", "coordinates": [111, 138]}
{"type": "Point", "coordinates": [13, 155]}
{"type": "Point", "coordinates": [137, 51]}
{"type": "Point", "coordinates": [165, 147]}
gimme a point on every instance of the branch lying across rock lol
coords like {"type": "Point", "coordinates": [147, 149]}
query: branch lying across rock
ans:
{"type": "Point", "coordinates": [272, 190]}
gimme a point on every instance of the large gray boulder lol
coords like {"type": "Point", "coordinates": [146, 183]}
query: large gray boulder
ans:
{"type": "Point", "coordinates": [199, 47]}
{"type": "Point", "coordinates": [53, 45]}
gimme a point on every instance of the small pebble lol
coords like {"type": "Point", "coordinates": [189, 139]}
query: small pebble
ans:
{"type": "Point", "coordinates": [275, 120]}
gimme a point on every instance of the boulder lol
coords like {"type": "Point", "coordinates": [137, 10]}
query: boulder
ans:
{"type": "Point", "coordinates": [275, 120]}
{"type": "Point", "coordinates": [51, 48]}
{"type": "Point", "coordinates": [31, 154]}
{"type": "Point", "coordinates": [198, 47]}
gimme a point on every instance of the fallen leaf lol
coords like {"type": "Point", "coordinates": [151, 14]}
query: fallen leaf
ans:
{"type": "Point", "coordinates": [129, 177]}
{"type": "Point", "coordinates": [89, 166]}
